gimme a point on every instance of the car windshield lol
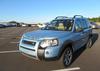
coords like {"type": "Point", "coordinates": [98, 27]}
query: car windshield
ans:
{"type": "Point", "coordinates": [59, 25]}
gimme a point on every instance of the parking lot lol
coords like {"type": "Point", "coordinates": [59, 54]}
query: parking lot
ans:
{"type": "Point", "coordinates": [12, 60]}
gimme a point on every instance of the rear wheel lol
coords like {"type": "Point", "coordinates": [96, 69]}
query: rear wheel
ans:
{"type": "Point", "coordinates": [66, 58]}
{"type": "Point", "coordinates": [89, 43]}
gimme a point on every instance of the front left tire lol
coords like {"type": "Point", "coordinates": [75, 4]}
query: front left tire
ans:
{"type": "Point", "coordinates": [67, 57]}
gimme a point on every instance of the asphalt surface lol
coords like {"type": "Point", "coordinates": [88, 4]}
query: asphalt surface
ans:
{"type": "Point", "coordinates": [11, 60]}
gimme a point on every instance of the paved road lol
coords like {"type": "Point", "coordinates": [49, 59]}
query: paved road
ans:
{"type": "Point", "coordinates": [84, 59]}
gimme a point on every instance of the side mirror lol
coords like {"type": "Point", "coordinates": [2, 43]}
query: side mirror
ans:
{"type": "Point", "coordinates": [90, 26]}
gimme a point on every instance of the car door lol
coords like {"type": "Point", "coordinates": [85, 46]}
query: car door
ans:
{"type": "Point", "coordinates": [85, 31]}
{"type": "Point", "coordinates": [78, 34]}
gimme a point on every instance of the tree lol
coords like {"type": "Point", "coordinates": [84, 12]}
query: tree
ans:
{"type": "Point", "coordinates": [95, 19]}
{"type": "Point", "coordinates": [13, 22]}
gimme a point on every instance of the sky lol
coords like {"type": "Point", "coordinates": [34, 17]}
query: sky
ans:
{"type": "Point", "coordinates": [33, 11]}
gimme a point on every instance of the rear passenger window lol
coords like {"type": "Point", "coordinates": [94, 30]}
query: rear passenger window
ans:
{"type": "Point", "coordinates": [84, 24]}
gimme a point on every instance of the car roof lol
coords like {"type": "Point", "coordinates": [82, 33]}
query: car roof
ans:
{"type": "Point", "coordinates": [69, 18]}
{"type": "Point", "coordinates": [62, 18]}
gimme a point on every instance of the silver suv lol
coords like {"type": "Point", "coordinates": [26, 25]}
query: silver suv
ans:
{"type": "Point", "coordinates": [58, 40]}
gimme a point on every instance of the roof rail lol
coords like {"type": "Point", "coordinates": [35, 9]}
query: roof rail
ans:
{"type": "Point", "coordinates": [77, 16]}
{"type": "Point", "coordinates": [61, 17]}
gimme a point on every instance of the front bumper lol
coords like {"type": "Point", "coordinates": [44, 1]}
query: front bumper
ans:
{"type": "Point", "coordinates": [50, 53]}
{"type": "Point", "coordinates": [35, 52]}
{"type": "Point", "coordinates": [28, 52]}
{"type": "Point", "coordinates": [40, 54]}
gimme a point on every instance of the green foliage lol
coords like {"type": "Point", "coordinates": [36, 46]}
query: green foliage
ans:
{"type": "Point", "coordinates": [95, 19]}
{"type": "Point", "coordinates": [12, 22]}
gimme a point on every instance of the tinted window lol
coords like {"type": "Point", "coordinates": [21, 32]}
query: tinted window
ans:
{"type": "Point", "coordinates": [84, 23]}
{"type": "Point", "coordinates": [60, 25]}
{"type": "Point", "coordinates": [87, 22]}
{"type": "Point", "coordinates": [78, 24]}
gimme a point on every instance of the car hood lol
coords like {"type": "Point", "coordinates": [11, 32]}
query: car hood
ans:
{"type": "Point", "coordinates": [41, 34]}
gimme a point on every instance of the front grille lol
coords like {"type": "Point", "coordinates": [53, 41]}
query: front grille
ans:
{"type": "Point", "coordinates": [27, 48]}
{"type": "Point", "coordinates": [29, 42]}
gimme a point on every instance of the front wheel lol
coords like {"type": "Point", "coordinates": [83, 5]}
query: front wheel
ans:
{"type": "Point", "coordinates": [67, 56]}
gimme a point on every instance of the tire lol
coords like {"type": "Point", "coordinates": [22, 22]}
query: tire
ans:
{"type": "Point", "coordinates": [89, 43]}
{"type": "Point", "coordinates": [66, 58]}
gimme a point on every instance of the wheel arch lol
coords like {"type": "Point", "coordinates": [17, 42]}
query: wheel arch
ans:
{"type": "Point", "coordinates": [65, 45]}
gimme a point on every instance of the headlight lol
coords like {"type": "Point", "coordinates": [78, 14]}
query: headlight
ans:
{"type": "Point", "coordinates": [49, 42]}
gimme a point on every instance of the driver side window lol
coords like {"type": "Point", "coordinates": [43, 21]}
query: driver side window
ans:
{"type": "Point", "coordinates": [78, 25]}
